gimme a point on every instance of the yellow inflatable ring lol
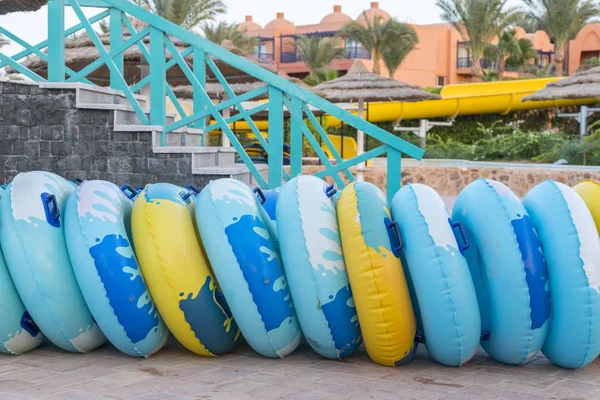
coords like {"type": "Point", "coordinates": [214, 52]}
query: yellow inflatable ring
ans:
{"type": "Point", "coordinates": [177, 271]}
{"type": "Point", "coordinates": [589, 191]}
{"type": "Point", "coordinates": [381, 295]}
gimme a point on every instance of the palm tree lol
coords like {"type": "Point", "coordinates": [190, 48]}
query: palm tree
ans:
{"type": "Point", "coordinates": [382, 39]}
{"type": "Point", "coordinates": [523, 56]}
{"type": "Point", "coordinates": [510, 52]}
{"type": "Point", "coordinates": [220, 31]}
{"type": "Point", "coordinates": [317, 53]}
{"type": "Point", "coordinates": [562, 20]}
{"type": "Point", "coordinates": [319, 76]}
{"type": "Point", "coordinates": [478, 21]}
{"type": "Point", "coordinates": [186, 13]}
{"type": "Point", "coordinates": [401, 43]}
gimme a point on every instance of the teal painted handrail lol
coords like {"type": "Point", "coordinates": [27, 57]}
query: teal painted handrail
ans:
{"type": "Point", "coordinates": [196, 58]}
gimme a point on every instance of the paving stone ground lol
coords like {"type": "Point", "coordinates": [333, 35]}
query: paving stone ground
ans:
{"type": "Point", "coordinates": [175, 373]}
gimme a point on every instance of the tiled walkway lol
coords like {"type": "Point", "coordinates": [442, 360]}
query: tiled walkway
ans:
{"type": "Point", "coordinates": [175, 373]}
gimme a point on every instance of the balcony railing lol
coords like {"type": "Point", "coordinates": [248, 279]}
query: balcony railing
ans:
{"type": "Point", "coordinates": [264, 58]}
{"type": "Point", "coordinates": [352, 53]}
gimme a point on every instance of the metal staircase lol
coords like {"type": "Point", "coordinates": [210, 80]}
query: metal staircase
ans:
{"type": "Point", "coordinates": [198, 62]}
{"type": "Point", "coordinates": [206, 160]}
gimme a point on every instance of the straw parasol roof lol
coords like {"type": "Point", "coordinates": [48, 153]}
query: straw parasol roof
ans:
{"type": "Point", "coordinates": [215, 91]}
{"type": "Point", "coordinates": [360, 84]}
{"type": "Point", "coordinates": [81, 52]}
{"type": "Point", "coordinates": [582, 85]}
{"type": "Point", "coordinates": [10, 6]}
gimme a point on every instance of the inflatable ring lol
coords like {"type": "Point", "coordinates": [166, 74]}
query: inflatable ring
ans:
{"type": "Point", "coordinates": [313, 259]}
{"type": "Point", "coordinates": [33, 240]}
{"type": "Point", "coordinates": [177, 272]}
{"type": "Point", "coordinates": [589, 191]}
{"type": "Point", "coordinates": [18, 333]}
{"type": "Point", "coordinates": [444, 291]}
{"type": "Point", "coordinates": [247, 266]}
{"type": "Point", "coordinates": [97, 226]}
{"type": "Point", "coordinates": [508, 269]}
{"type": "Point", "coordinates": [380, 290]}
{"type": "Point", "coordinates": [572, 247]}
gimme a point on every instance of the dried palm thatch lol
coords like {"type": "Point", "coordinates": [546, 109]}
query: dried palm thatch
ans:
{"type": "Point", "coordinates": [81, 52]}
{"type": "Point", "coordinates": [360, 84]}
{"type": "Point", "coordinates": [216, 92]}
{"type": "Point", "coordinates": [582, 85]}
{"type": "Point", "coordinates": [11, 6]}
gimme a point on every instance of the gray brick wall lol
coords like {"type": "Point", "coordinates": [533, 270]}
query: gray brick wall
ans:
{"type": "Point", "coordinates": [42, 130]}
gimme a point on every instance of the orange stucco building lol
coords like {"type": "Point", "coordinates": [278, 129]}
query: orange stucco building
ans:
{"type": "Point", "coordinates": [441, 57]}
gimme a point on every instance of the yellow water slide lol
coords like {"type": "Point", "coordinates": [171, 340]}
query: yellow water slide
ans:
{"type": "Point", "coordinates": [500, 97]}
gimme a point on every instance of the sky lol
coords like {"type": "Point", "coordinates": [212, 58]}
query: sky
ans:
{"type": "Point", "coordinates": [32, 27]}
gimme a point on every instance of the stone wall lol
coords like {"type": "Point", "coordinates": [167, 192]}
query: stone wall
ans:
{"type": "Point", "coordinates": [41, 129]}
{"type": "Point", "coordinates": [449, 181]}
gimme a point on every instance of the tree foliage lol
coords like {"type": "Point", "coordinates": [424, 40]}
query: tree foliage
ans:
{"type": "Point", "coordinates": [478, 22]}
{"type": "Point", "coordinates": [561, 20]}
{"type": "Point", "coordinates": [387, 41]}
{"type": "Point", "coordinates": [317, 53]}
{"type": "Point", "coordinates": [186, 13]}
{"type": "Point", "coordinates": [220, 31]}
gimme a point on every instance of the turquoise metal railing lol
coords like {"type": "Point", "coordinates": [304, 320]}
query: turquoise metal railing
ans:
{"type": "Point", "coordinates": [156, 44]}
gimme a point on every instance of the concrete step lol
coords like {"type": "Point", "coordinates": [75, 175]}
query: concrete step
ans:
{"type": "Point", "coordinates": [233, 171]}
{"type": "Point", "coordinates": [127, 116]}
{"type": "Point", "coordinates": [213, 156]}
{"type": "Point", "coordinates": [177, 139]}
{"type": "Point", "coordinates": [90, 94]}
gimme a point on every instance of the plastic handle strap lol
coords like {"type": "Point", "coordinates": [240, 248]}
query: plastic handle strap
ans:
{"type": "Point", "coordinates": [191, 191]}
{"type": "Point", "coordinates": [262, 199]}
{"type": "Point", "coordinates": [485, 336]}
{"type": "Point", "coordinates": [330, 190]}
{"type": "Point", "coordinates": [395, 237]}
{"type": "Point", "coordinates": [419, 338]}
{"type": "Point", "coordinates": [77, 181]}
{"type": "Point", "coordinates": [4, 186]}
{"type": "Point", "coordinates": [51, 208]}
{"type": "Point", "coordinates": [463, 242]}
{"type": "Point", "coordinates": [29, 325]}
{"type": "Point", "coordinates": [129, 191]}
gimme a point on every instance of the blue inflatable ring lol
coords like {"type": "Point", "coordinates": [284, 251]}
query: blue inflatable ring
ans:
{"type": "Point", "coordinates": [18, 333]}
{"type": "Point", "coordinates": [247, 267]}
{"type": "Point", "coordinates": [508, 269]}
{"type": "Point", "coordinates": [442, 287]}
{"type": "Point", "coordinates": [570, 241]}
{"type": "Point", "coordinates": [33, 240]}
{"type": "Point", "coordinates": [313, 259]}
{"type": "Point", "coordinates": [97, 229]}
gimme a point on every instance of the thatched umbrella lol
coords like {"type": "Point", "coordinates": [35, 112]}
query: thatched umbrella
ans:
{"type": "Point", "coordinates": [216, 92]}
{"type": "Point", "coordinates": [11, 6]}
{"type": "Point", "coordinates": [582, 85]}
{"type": "Point", "coordinates": [360, 85]}
{"type": "Point", "coordinates": [81, 52]}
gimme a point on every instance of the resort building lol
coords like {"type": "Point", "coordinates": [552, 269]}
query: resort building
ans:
{"type": "Point", "coordinates": [441, 57]}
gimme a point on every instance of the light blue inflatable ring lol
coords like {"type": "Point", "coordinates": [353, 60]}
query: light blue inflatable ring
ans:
{"type": "Point", "coordinates": [439, 273]}
{"type": "Point", "coordinates": [508, 269]}
{"type": "Point", "coordinates": [33, 240]}
{"type": "Point", "coordinates": [97, 230]}
{"type": "Point", "coordinates": [247, 267]}
{"type": "Point", "coordinates": [313, 259]}
{"type": "Point", "coordinates": [570, 241]}
{"type": "Point", "coordinates": [18, 333]}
